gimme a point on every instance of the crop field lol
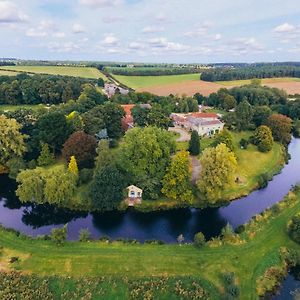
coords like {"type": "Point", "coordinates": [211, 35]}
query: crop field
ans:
{"type": "Point", "coordinates": [84, 72]}
{"type": "Point", "coordinates": [8, 73]}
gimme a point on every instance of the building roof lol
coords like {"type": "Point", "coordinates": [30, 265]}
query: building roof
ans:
{"type": "Point", "coordinates": [204, 115]}
{"type": "Point", "coordinates": [135, 188]}
{"type": "Point", "coordinates": [127, 108]}
{"type": "Point", "coordinates": [203, 122]}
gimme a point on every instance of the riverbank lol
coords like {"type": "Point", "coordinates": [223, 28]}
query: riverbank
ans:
{"type": "Point", "coordinates": [249, 255]}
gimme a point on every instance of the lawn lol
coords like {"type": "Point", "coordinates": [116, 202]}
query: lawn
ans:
{"type": "Point", "coordinates": [84, 72]}
{"type": "Point", "coordinates": [248, 260]}
{"type": "Point", "coordinates": [137, 82]}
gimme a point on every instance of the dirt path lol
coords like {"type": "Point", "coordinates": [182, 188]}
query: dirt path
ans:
{"type": "Point", "coordinates": [184, 135]}
{"type": "Point", "coordinates": [196, 168]}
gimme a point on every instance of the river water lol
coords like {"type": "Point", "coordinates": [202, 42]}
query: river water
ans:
{"type": "Point", "coordinates": [166, 226]}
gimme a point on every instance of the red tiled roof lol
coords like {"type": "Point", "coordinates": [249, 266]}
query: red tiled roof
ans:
{"type": "Point", "coordinates": [204, 115]}
{"type": "Point", "coordinates": [127, 108]}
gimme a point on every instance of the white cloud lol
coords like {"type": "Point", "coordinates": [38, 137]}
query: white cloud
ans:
{"type": "Point", "coordinates": [152, 29]}
{"type": "Point", "coordinates": [110, 39]}
{"type": "Point", "coordinates": [246, 45]}
{"type": "Point", "coordinates": [59, 35]}
{"type": "Point", "coordinates": [217, 37]}
{"type": "Point", "coordinates": [42, 30]}
{"type": "Point", "coordinates": [111, 19]}
{"type": "Point", "coordinates": [63, 47]}
{"type": "Point", "coordinates": [199, 30]}
{"type": "Point", "coordinates": [78, 28]}
{"type": "Point", "coordinates": [163, 44]}
{"type": "Point", "coordinates": [283, 28]}
{"type": "Point", "coordinates": [136, 46]}
{"type": "Point", "coordinates": [9, 13]}
{"type": "Point", "coordinates": [100, 3]}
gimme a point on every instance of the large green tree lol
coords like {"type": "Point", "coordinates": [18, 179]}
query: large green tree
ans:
{"type": "Point", "coordinates": [12, 142]}
{"type": "Point", "coordinates": [177, 180]}
{"type": "Point", "coordinates": [145, 154]}
{"type": "Point", "coordinates": [225, 137]}
{"type": "Point", "coordinates": [218, 167]}
{"type": "Point", "coordinates": [194, 143]}
{"type": "Point", "coordinates": [243, 114]}
{"type": "Point", "coordinates": [263, 138]}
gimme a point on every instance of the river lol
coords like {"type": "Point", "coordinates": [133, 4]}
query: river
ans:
{"type": "Point", "coordinates": [166, 225]}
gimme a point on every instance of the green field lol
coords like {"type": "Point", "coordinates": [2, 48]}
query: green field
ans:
{"type": "Point", "coordinates": [83, 72]}
{"type": "Point", "coordinates": [263, 81]}
{"type": "Point", "coordinates": [249, 257]}
{"type": "Point", "coordinates": [136, 82]}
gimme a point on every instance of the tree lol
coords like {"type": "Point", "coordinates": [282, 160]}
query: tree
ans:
{"type": "Point", "coordinates": [104, 155]}
{"type": "Point", "coordinates": [260, 115]}
{"type": "Point", "coordinates": [199, 239]}
{"type": "Point", "coordinates": [263, 138]}
{"type": "Point", "coordinates": [31, 186]}
{"type": "Point", "coordinates": [194, 143]}
{"type": "Point", "coordinates": [12, 142]}
{"type": "Point", "coordinates": [229, 102]}
{"type": "Point", "coordinates": [72, 167]}
{"type": "Point", "coordinates": [281, 127]}
{"type": "Point", "coordinates": [243, 114]}
{"type": "Point", "coordinates": [225, 137]}
{"type": "Point", "coordinates": [83, 147]}
{"type": "Point", "coordinates": [177, 180]}
{"type": "Point", "coordinates": [113, 114]}
{"type": "Point", "coordinates": [46, 157]}
{"type": "Point", "coordinates": [53, 129]}
{"type": "Point", "coordinates": [75, 121]}
{"type": "Point", "coordinates": [14, 165]}
{"type": "Point", "coordinates": [91, 94]}
{"type": "Point", "coordinates": [294, 228]}
{"type": "Point", "coordinates": [107, 188]}
{"type": "Point", "coordinates": [94, 120]}
{"type": "Point", "coordinates": [144, 155]}
{"type": "Point", "coordinates": [158, 117]}
{"type": "Point", "coordinates": [59, 235]}
{"type": "Point", "coordinates": [84, 235]}
{"type": "Point", "coordinates": [218, 168]}
{"type": "Point", "coordinates": [59, 188]}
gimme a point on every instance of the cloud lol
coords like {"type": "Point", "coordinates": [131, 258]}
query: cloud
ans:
{"type": "Point", "coordinates": [199, 30]}
{"type": "Point", "coordinates": [63, 47]}
{"type": "Point", "coordinates": [59, 35]}
{"type": "Point", "coordinates": [78, 28]}
{"type": "Point", "coordinates": [283, 28]}
{"type": "Point", "coordinates": [217, 37]}
{"type": "Point", "coordinates": [9, 13]}
{"type": "Point", "coordinates": [100, 3]}
{"type": "Point", "coordinates": [245, 45]}
{"type": "Point", "coordinates": [136, 46]}
{"type": "Point", "coordinates": [42, 30]}
{"type": "Point", "coordinates": [110, 39]}
{"type": "Point", "coordinates": [152, 29]}
{"type": "Point", "coordinates": [111, 19]}
{"type": "Point", "coordinates": [163, 44]}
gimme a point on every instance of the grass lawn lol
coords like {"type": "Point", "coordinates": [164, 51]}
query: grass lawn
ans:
{"type": "Point", "coordinates": [247, 260]}
{"type": "Point", "coordinates": [24, 106]}
{"type": "Point", "coordinates": [136, 82]}
{"type": "Point", "coordinates": [265, 80]}
{"type": "Point", "coordinates": [84, 72]}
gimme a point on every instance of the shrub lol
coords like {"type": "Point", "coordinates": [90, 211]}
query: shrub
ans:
{"type": "Point", "coordinates": [59, 235]}
{"type": "Point", "coordinates": [263, 180]}
{"type": "Point", "coordinates": [294, 228]}
{"type": "Point", "coordinates": [85, 176]}
{"type": "Point", "coordinates": [199, 239]}
{"type": "Point", "coordinates": [84, 235]}
{"type": "Point", "coordinates": [244, 143]}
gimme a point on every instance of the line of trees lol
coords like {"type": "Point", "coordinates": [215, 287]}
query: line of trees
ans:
{"type": "Point", "coordinates": [227, 74]}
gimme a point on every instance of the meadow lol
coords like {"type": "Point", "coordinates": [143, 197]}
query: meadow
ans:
{"type": "Point", "coordinates": [138, 82]}
{"type": "Point", "coordinates": [8, 73]}
{"type": "Point", "coordinates": [248, 256]}
{"type": "Point", "coordinates": [83, 72]}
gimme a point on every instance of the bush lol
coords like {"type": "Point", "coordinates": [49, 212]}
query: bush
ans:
{"type": "Point", "coordinates": [84, 235]}
{"type": "Point", "coordinates": [59, 235]}
{"type": "Point", "coordinates": [294, 228]}
{"type": "Point", "coordinates": [85, 176]}
{"type": "Point", "coordinates": [244, 143]}
{"type": "Point", "coordinates": [199, 239]}
{"type": "Point", "coordinates": [263, 180]}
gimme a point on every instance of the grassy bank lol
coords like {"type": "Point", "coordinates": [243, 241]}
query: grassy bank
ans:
{"type": "Point", "coordinates": [83, 72]}
{"type": "Point", "coordinates": [4, 107]}
{"type": "Point", "coordinates": [136, 82]}
{"type": "Point", "coordinates": [248, 256]}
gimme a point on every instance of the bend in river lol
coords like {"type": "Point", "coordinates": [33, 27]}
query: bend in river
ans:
{"type": "Point", "coordinates": [162, 225]}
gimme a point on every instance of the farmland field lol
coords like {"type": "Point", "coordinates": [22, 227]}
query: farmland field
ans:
{"type": "Point", "coordinates": [140, 82]}
{"type": "Point", "coordinates": [8, 73]}
{"type": "Point", "coordinates": [84, 72]}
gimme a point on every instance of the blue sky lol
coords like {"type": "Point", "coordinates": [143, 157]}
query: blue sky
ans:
{"type": "Point", "coordinates": [151, 30]}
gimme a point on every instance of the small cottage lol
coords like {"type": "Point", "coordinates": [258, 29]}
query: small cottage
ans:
{"type": "Point", "coordinates": [135, 195]}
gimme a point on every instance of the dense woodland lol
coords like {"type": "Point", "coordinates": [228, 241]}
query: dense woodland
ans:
{"type": "Point", "coordinates": [239, 73]}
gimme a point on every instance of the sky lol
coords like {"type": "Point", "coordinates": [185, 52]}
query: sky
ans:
{"type": "Point", "coordinates": [171, 31]}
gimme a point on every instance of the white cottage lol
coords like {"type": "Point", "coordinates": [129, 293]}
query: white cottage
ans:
{"type": "Point", "coordinates": [134, 192]}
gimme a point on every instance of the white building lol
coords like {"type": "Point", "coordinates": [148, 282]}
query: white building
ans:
{"type": "Point", "coordinates": [206, 124]}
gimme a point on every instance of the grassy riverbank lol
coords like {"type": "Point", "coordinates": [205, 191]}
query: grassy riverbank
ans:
{"type": "Point", "coordinates": [252, 253]}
